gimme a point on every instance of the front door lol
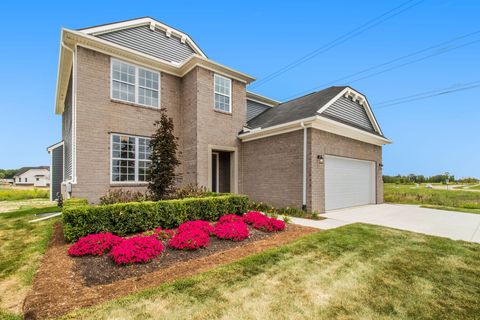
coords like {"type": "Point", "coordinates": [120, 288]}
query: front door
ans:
{"type": "Point", "coordinates": [221, 171]}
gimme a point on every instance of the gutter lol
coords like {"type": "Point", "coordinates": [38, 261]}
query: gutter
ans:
{"type": "Point", "coordinates": [304, 191]}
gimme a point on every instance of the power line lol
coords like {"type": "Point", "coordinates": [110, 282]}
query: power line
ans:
{"type": "Point", "coordinates": [441, 50]}
{"type": "Point", "coordinates": [427, 92]}
{"type": "Point", "coordinates": [349, 35]}
{"type": "Point", "coordinates": [427, 95]}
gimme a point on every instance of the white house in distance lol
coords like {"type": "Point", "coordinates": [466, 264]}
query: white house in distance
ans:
{"type": "Point", "coordinates": [32, 176]}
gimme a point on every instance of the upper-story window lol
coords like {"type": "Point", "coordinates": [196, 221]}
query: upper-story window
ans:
{"type": "Point", "coordinates": [135, 84]}
{"type": "Point", "coordinates": [130, 158]}
{"type": "Point", "coordinates": [223, 93]}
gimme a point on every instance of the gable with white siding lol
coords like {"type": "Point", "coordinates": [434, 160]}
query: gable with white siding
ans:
{"type": "Point", "coordinates": [351, 112]}
{"type": "Point", "coordinates": [152, 42]}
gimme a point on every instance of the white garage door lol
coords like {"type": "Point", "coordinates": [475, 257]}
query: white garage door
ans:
{"type": "Point", "coordinates": [348, 182]}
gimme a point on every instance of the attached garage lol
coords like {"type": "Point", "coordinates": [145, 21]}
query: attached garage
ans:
{"type": "Point", "coordinates": [319, 152]}
{"type": "Point", "coordinates": [349, 182]}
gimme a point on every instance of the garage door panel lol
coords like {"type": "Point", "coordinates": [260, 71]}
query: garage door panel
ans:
{"type": "Point", "coordinates": [348, 182]}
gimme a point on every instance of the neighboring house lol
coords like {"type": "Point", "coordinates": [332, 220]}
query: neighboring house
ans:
{"type": "Point", "coordinates": [32, 176]}
{"type": "Point", "coordinates": [320, 152]}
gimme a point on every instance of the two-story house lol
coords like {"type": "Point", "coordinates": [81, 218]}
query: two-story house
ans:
{"type": "Point", "coordinates": [320, 151]}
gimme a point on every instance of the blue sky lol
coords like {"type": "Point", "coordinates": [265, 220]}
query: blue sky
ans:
{"type": "Point", "coordinates": [430, 136]}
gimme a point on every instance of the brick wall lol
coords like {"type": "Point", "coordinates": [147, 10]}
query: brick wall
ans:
{"type": "Point", "coordinates": [213, 127]}
{"type": "Point", "coordinates": [188, 100]}
{"type": "Point", "coordinates": [98, 116]}
{"type": "Point", "coordinates": [272, 169]}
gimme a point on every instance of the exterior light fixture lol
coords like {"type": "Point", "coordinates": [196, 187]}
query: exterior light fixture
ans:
{"type": "Point", "coordinates": [320, 159]}
{"type": "Point", "coordinates": [380, 165]}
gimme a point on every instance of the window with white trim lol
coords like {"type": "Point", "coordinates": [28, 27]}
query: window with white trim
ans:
{"type": "Point", "coordinates": [223, 91]}
{"type": "Point", "coordinates": [135, 84]}
{"type": "Point", "coordinates": [130, 158]}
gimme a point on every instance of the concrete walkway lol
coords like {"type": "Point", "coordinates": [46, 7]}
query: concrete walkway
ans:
{"type": "Point", "coordinates": [449, 224]}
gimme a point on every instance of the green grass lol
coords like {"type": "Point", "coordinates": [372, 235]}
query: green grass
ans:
{"type": "Point", "coordinates": [423, 196]}
{"type": "Point", "coordinates": [477, 187]}
{"type": "Point", "coordinates": [353, 272]}
{"type": "Point", "coordinates": [20, 194]}
{"type": "Point", "coordinates": [477, 211]}
{"type": "Point", "coordinates": [22, 245]}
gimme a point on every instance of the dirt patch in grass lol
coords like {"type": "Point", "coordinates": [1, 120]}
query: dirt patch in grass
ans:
{"type": "Point", "coordinates": [63, 283]}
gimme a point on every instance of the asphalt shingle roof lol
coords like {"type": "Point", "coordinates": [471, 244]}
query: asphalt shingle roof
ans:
{"type": "Point", "coordinates": [25, 169]}
{"type": "Point", "coordinates": [296, 109]}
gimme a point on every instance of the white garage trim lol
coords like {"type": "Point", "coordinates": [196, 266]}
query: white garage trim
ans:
{"type": "Point", "coordinates": [349, 182]}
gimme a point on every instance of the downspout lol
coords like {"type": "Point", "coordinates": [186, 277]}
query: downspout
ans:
{"type": "Point", "coordinates": [304, 193]}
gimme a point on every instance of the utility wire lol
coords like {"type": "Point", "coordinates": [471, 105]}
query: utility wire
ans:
{"type": "Point", "coordinates": [347, 36]}
{"type": "Point", "coordinates": [441, 49]}
{"type": "Point", "coordinates": [427, 95]}
{"type": "Point", "coordinates": [427, 92]}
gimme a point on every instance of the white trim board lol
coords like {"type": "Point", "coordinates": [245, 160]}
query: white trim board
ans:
{"type": "Point", "coordinates": [317, 122]}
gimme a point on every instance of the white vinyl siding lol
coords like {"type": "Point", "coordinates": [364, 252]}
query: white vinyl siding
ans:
{"type": "Point", "coordinates": [135, 84]}
{"type": "Point", "coordinates": [130, 158]}
{"type": "Point", "coordinates": [348, 182]}
{"type": "Point", "coordinates": [223, 93]}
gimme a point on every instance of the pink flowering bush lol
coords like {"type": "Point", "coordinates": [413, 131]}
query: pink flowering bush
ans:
{"type": "Point", "coordinates": [94, 244]}
{"type": "Point", "coordinates": [260, 221]}
{"type": "Point", "coordinates": [253, 216]}
{"type": "Point", "coordinates": [230, 218]}
{"type": "Point", "coordinates": [189, 239]}
{"type": "Point", "coordinates": [136, 250]}
{"type": "Point", "coordinates": [200, 225]}
{"type": "Point", "coordinates": [233, 230]}
{"type": "Point", "coordinates": [269, 224]}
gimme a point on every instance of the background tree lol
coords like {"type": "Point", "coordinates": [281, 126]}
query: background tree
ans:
{"type": "Point", "coordinates": [163, 155]}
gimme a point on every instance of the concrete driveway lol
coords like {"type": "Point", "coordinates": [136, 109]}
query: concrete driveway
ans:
{"type": "Point", "coordinates": [449, 224]}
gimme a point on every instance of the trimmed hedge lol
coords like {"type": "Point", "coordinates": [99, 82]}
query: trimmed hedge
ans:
{"type": "Point", "coordinates": [74, 202]}
{"type": "Point", "coordinates": [126, 218]}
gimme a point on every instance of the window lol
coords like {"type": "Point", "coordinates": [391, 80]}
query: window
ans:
{"type": "Point", "coordinates": [130, 158]}
{"type": "Point", "coordinates": [135, 84]}
{"type": "Point", "coordinates": [222, 93]}
{"type": "Point", "coordinates": [38, 179]}
{"type": "Point", "coordinates": [25, 179]}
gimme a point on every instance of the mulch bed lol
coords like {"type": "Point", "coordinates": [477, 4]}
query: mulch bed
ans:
{"type": "Point", "coordinates": [63, 283]}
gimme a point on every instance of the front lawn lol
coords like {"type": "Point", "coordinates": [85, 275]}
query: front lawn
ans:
{"type": "Point", "coordinates": [353, 272]}
{"type": "Point", "coordinates": [22, 245]}
{"type": "Point", "coordinates": [466, 201]}
{"type": "Point", "coordinates": [10, 194]}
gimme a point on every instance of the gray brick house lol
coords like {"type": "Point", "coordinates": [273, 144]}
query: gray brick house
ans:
{"type": "Point", "coordinates": [321, 151]}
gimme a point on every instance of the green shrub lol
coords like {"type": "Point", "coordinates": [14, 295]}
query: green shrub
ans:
{"type": "Point", "coordinates": [122, 196]}
{"type": "Point", "coordinates": [192, 191]}
{"type": "Point", "coordinates": [18, 194]}
{"type": "Point", "coordinates": [126, 218]}
{"type": "Point", "coordinates": [74, 202]}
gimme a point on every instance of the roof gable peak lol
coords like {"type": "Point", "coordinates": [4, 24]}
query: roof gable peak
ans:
{"type": "Point", "coordinates": [153, 25]}
{"type": "Point", "coordinates": [357, 98]}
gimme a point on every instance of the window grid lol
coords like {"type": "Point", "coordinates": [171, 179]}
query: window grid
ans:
{"type": "Point", "coordinates": [135, 84]}
{"type": "Point", "coordinates": [129, 158]}
{"type": "Point", "coordinates": [222, 92]}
